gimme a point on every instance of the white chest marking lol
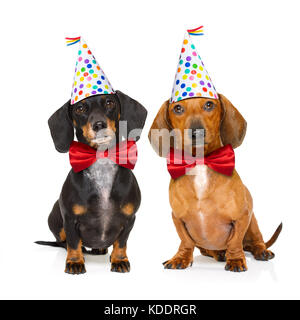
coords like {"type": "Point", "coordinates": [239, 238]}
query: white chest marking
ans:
{"type": "Point", "coordinates": [102, 173]}
{"type": "Point", "coordinates": [200, 179]}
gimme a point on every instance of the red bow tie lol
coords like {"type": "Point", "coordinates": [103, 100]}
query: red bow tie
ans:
{"type": "Point", "coordinates": [82, 156]}
{"type": "Point", "coordinates": [221, 160]}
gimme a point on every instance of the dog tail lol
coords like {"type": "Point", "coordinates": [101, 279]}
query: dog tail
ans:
{"type": "Point", "coordinates": [93, 252]}
{"type": "Point", "coordinates": [52, 244]}
{"type": "Point", "coordinates": [274, 237]}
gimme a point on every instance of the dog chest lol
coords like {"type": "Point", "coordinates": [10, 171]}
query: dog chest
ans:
{"type": "Point", "coordinates": [189, 191]}
{"type": "Point", "coordinates": [200, 180]}
{"type": "Point", "coordinates": [102, 175]}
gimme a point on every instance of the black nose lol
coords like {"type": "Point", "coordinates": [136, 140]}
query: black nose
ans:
{"type": "Point", "coordinates": [97, 126]}
{"type": "Point", "coordinates": [197, 133]}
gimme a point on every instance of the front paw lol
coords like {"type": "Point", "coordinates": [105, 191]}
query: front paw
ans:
{"type": "Point", "coordinates": [264, 255]}
{"type": "Point", "coordinates": [122, 266]}
{"type": "Point", "coordinates": [178, 263]}
{"type": "Point", "coordinates": [75, 268]}
{"type": "Point", "coordinates": [236, 265]}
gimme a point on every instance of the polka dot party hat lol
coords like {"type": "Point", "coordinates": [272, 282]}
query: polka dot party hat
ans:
{"type": "Point", "coordinates": [191, 79]}
{"type": "Point", "coordinates": [89, 78]}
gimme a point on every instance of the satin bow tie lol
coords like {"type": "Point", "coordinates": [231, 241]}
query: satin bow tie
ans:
{"type": "Point", "coordinates": [83, 156]}
{"type": "Point", "coordinates": [221, 160]}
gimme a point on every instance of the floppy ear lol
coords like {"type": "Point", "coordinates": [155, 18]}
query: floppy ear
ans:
{"type": "Point", "coordinates": [132, 112]}
{"type": "Point", "coordinates": [233, 126]}
{"type": "Point", "coordinates": [159, 134]}
{"type": "Point", "coordinates": [61, 128]}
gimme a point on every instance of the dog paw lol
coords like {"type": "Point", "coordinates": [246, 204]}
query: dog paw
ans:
{"type": "Point", "coordinates": [122, 266]}
{"type": "Point", "coordinates": [75, 268]}
{"type": "Point", "coordinates": [237, 265]}
{"type": "Point", "coordinates": [264, 255]}
{"type": "Point", "coordinates": [178, 263]}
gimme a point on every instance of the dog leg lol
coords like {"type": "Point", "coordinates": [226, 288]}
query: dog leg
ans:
{"type": "Point", "coordinates": [55, 223]}
{"type": "Point", "coordinates": [184, 257]}
{"type": "Point", "coordinates": [75, 258]}
{"type": "Point", "coordinates": [235, 256]}
{"type": "Point", "coordinates": [218, 255]}
{"type": "Point", "coordinates": [119, 260]}
{"type": "Point", "coordinates": [254, 243]}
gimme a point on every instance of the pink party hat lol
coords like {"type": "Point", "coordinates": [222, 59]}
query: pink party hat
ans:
{"type": "Point", "coordinates": [192, 79]}
{"type": "Point", "coordinates": [89, 78]}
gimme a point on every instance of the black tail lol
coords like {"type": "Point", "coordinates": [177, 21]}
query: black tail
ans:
{"type": "Point", "coordinates": [93, 252]}
{"type": "Point", "coordinates": [52, 244]}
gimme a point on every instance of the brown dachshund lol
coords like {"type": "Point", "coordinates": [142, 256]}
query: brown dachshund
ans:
{"type": "Point", "coordinates": [211, 211]}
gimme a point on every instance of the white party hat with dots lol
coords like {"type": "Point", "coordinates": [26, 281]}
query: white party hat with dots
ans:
{"type": "Point", "coordinates": [192, 79]}
{"type": "Point", "coordinates": [89, 78]}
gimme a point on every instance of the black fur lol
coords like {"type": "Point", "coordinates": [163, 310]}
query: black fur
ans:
{"type": "Point", "coordinates": [103, 223]}
{"type": "Point", "coordinates": [61, 128]}
{"type": "Point", "coordinates": [131, 112]}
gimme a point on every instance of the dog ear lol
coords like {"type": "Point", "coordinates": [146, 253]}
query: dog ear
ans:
{"type": "Point", "coordinates": [233, 126]}
{"type": "Point", "coordinates": [132, 112]}
{"type": "Point", "coordinates": [61, 128]}
{"type": "Point", "coordinates": [160, 132]}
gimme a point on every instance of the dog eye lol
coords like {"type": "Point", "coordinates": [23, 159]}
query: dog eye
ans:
{"type": "Point", "coordinates": [178, 109]}
{"type": "Point", "coordinates": [80, 109]}
{"type": "Point", "coordinates": [109, 103]}
{"type": "Point", "coordinates": [209, 106]}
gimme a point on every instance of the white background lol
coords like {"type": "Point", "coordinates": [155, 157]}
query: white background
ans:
{"type": "Point", "coordinates": [251, 51]}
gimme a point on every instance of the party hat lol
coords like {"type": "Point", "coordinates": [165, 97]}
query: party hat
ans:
{"type": "Point", "coordinates": [192, 80]}
{"type": "Point", "coordinates": [89, 78]}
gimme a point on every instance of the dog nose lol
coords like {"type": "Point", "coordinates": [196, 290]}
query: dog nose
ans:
{"type": "Point", "coordinates": [197, 133]}
{"type": "Point", "coordinates": [97, 126]}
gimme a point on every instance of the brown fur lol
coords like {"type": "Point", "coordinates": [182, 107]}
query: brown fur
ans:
{"type": "Point", "coordinates": [62, 235]}
{"type": "Point", "coordinates": [218, 255]}
{"type": "Point", "coordinates": [119, 259]}
{"type": "Point", "coordinates": [111, 124]}
{"type": "Point", "coordinates": [88, 132]}
{"type": "Point", "coordinates": [224, 125]}
{"type": "Point", "coordinates": [128, 209]}
{"type": "Point", "coordinates": [79, 210]}
{"type": "Point", "coordinates": [213, 212]}
{"type": "Point", "coordinates": [75, 260]}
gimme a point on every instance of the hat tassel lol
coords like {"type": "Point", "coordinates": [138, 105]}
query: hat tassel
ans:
{"type": "Point", "coordinates": [71, 41]}
{"type": "Point", "coordinates": [196, 32]}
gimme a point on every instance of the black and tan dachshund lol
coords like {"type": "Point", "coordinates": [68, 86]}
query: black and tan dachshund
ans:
{"type": "Point", "coordinates": [97, 206]}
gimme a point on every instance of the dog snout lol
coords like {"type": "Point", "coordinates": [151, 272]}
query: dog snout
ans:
{"type": "Point", "coordinates": [99, 125]}
{"type": "Point", "coordinates": [197, 131]}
